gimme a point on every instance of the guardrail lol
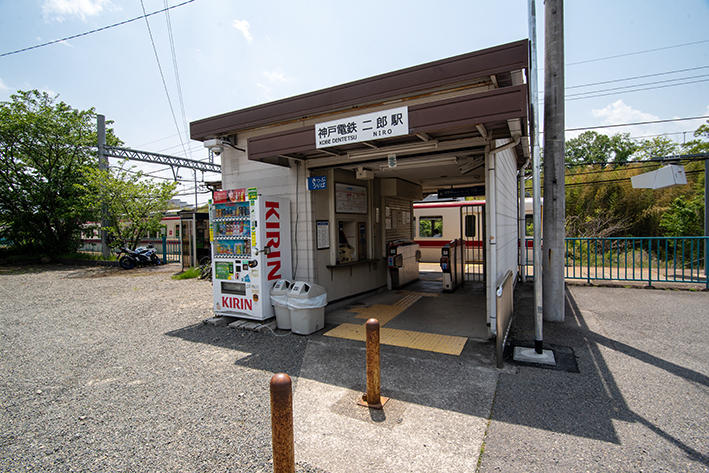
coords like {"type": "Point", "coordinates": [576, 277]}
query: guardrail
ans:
{"type": "Point", "coordinates": [649, 259]}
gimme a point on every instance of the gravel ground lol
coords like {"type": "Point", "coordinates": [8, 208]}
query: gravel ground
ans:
{"type": "Point", "coordinates": [103, 369]}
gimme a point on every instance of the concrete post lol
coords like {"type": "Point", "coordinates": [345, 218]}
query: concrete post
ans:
{"type": "Point", "coordinates": [536, 173]}
{"type": "Point", "coordinates": [554, 172]}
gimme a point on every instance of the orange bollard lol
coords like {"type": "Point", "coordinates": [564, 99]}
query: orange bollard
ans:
{"type": "Point", "coordinates": [373, 397]}
{"type": "Point", "coordinates": [282, 423]}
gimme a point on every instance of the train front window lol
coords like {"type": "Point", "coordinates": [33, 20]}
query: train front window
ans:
{"type": "Point", "coordinates": [430, 227]}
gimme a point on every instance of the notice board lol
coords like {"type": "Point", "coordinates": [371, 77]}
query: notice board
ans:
{"type": "Point", "coordinates": [350, 199]}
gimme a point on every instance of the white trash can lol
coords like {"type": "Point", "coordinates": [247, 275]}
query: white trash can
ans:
{"type": "Point", "coordinates": [279, 301]}
{"type": "Point", "coordinates": [307, 303]}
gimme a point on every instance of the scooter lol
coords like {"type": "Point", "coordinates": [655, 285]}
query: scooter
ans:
{"type": "Point", "coordinates": [128, 259]}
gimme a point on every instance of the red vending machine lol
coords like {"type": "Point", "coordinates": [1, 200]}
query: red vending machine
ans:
{"type": "Point", "coordinates": [251, 250]}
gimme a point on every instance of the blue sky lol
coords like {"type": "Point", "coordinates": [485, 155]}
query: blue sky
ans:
{"type": "Point", "coordinates": [234, 54]}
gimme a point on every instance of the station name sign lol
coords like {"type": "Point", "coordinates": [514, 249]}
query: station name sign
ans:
{"type": "Point", "coordinates": [372, 126]}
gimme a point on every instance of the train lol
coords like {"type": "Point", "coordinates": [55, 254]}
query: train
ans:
{"type": "Point", "coordinates": [439, 222]}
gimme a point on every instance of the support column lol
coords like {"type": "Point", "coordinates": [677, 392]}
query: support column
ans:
{"type": "Point", "coordinates": [103, 166]}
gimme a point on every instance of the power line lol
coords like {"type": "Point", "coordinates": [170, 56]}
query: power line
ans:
{"type": "Point", "coordinates": [177, 73]}
{"type": "Point", "coordinates": [163, 77]}
{"type": "Point", "coordinates": [640, 85]}
{"type": "Point", "coordinates": [645, 76]}
{"type": "Point", "coordinates": [637, 52]}
{"type": "Point", "coordinates": [637, 123]}
{"type": "Point", "coordinates": [96, 30]}
{"type": "Point", "coordinates": [636, 90]}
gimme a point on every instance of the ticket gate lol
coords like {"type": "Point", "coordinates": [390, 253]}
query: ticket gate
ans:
{"type": "Point", "coordinates": [452, 265]}
{"type": "Point", "coordinates": [403, 258]}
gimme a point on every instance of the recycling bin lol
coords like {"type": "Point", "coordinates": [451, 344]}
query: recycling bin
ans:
{"type": "Point", "coordinates": [279, 301]}
{"type": "Point", "coordinates": [307, 303]}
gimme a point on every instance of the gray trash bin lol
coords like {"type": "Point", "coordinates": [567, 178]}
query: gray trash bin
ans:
{"type": "Point", "coordinates": [307, 303]}
{"type": "Point", "coordinates": [279, 301]}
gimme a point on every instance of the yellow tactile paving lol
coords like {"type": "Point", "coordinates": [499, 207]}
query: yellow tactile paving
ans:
{"type": "Point", "coordinates": [447, 344]}
{"type": "Point", "coordinates": [384, 313]}
{"type": "Point", "coordinates": [421, 294]}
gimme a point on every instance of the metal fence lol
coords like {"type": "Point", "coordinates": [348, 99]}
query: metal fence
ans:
{"type": "Point", "coordinates": [168, 250]}
{"type": "Point", "coordinates": [651, 259]}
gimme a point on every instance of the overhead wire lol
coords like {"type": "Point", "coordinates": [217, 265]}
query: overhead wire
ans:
{"type": "Point", "coordinates": [144, 15]}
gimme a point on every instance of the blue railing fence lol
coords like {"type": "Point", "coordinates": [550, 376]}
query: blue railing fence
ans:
{"type": "Point", "coordinates": [168, 250]}
{"type": "Point", "coordinates": [648, 259]}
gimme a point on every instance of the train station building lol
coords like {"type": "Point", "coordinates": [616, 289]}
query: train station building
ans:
{"type": "Point", "coordinates": [352, 159]}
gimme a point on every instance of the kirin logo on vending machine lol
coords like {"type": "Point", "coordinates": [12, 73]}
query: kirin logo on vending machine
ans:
{"type": "Point", "coordinates": [273, 240]}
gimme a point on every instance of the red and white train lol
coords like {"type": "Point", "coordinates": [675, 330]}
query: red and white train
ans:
{"type": "Point", "coordinates": [439, 222]}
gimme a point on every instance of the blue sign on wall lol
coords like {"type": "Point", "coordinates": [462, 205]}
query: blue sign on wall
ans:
{"type": "Point", "coordinates": [317, 183]}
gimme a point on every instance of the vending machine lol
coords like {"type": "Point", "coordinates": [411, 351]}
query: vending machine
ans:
{"type": "Point", "coordinates": [251, 250]}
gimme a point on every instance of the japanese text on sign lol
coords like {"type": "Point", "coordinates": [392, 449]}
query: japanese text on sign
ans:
{"type": "Point", "coordinates": [372, 126]}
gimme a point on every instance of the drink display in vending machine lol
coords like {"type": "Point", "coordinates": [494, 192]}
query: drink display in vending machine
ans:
{"type": "Point", "coordinates": [251, 239]}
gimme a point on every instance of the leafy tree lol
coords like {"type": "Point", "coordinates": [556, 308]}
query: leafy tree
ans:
{"type": "Point", "coordinates": [701, 143]}
{"type": "Point", "coordinates": [657, 147]}
{"type": "Point", "coordinates": [135, 204]}
{"type": "Point", "coordinates": [591, 147]}
{"type": "Point", "coordinates": [45, 145]}
{"type": "Point", "coordinates": [684, 218]}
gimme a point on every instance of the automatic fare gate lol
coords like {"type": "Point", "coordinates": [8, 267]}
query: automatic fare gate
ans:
{"type": "Point", "coordinates": [472, 225]}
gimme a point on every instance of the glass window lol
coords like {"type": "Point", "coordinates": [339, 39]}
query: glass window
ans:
{"type": "Point", "coordinates": [529, 225]}
{"type": "Point", "coordinates": [430, 227]}
{"type": "Point", "coordinates": [469, 226]}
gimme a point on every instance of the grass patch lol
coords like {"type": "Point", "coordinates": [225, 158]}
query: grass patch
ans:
{"type": "Point", "coordinates": [191, 273]}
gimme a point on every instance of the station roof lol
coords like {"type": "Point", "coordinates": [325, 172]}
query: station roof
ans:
{"type": "Point", "coordinates": [456, 107]}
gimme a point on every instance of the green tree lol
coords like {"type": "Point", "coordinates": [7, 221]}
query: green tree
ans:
{"type": "Point", "coordinates": [591, 147]}
{"type": "Point", "coordinates": [701, 143]}
{"type": "Point", "coordinates": [135, 204]}
{"type": "Point", "coordinates": [684, 217]}
{"type": "Point", "coordinates": [658, 147]}
{"type": "Point", "coordinates": [45, 145]}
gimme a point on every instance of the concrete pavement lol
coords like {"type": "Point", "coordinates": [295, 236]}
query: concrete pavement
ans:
{"type": "Point", "coordinates": [631, 395]}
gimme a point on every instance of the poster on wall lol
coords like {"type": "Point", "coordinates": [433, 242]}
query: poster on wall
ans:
{"type": "Point", "coordinates": [350, 199]}
{"type": "Point", "coordinates": [323, 234]}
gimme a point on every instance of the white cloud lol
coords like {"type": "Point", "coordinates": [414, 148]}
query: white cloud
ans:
{"type": "Point", "coordinates": [617, 113]}
{"type": "Point", "coordinates": [243, 26]}
{"type": "Point", "coordinates": [275, 76]}
{"type": "Point", "coordinates": [60, 10]}
{"type": "Point", "coordinates": [3, 87]}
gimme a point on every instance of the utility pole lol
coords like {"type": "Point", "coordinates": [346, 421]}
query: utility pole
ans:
{"type": "Point", "coordinates": [103, 166]}
{"type": "Point", "coordinates": [554, 146]}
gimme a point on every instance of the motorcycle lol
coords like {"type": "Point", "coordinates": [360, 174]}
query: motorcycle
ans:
{"type": "Point", "coordinates": [141, 256]}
